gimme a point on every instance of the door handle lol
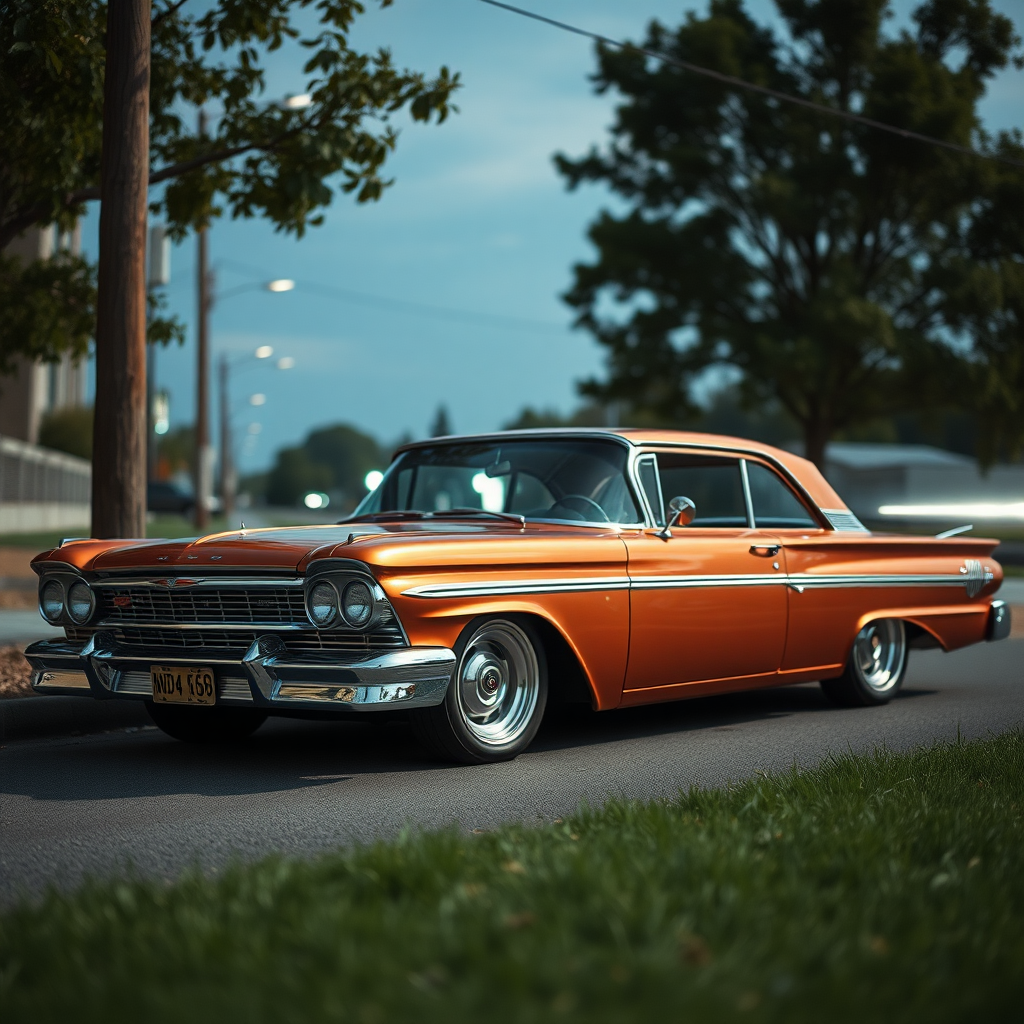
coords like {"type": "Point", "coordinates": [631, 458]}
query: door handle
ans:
{"type": "Point", "coordinates": [765, 550]}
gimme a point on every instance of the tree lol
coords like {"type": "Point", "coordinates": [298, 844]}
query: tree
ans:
{"type": "Point", "coordinates": [332, 459]}
{"type": "Point", "coordinates": [68, 430]}
{"type": "Point", "coordinates": [812, 256]}
{"type": "Point", "coordinates": [442, 424]}
{"type": "Point", "coordinates": [280, 161]}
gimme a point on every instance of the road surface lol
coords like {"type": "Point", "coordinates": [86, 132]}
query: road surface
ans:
{"type": "Point", "coordinates": [96, 804]}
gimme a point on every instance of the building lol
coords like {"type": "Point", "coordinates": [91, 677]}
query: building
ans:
{"type": "Point", "coordinates": [34, 389]}
{"type": "Point", "coordinates": [870, 477]}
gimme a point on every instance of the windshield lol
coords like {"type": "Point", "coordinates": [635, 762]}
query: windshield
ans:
{"type": "Point", "coordinates": [562, 480]}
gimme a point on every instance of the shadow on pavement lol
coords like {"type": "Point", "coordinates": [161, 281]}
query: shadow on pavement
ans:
{"type": "Point", "coordinates": [288, 754]}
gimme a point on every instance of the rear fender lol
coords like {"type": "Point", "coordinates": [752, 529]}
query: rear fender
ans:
{"type": "Point", "coordinates": [949, 626]}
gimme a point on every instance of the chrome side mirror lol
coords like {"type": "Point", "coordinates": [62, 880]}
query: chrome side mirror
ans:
{"type": "Point", "coordinates": [683, 512]}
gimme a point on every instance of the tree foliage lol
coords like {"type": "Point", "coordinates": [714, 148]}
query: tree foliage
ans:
{"type": "Point", "coordinates": [333, 459]}
{"type": "Point", "coordinates": [258, 158]}
{"type": "Point", "coordinates": [829, 266]}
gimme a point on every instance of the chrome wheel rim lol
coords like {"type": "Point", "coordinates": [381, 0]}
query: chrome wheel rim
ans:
{"type": "Point", "coordinates": [498, 683]}
{"type": "Point", "coordinates": [878, 654]}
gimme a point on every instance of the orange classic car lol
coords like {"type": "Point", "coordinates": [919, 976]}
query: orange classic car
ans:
{"type": "Point", "coordinates": [489, 576]}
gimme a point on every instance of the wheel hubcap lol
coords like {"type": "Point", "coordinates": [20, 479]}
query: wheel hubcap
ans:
{"type": "Point", "coordinates": [879, 652]}
{"type": "Point", "coordinates": [498, 683]}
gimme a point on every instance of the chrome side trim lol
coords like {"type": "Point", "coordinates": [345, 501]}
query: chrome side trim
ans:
{"type": "Point", "coordinates": [807, 579]}
{"type": "Point", "coordinates": [495, 588]}
{"type": "Point", "coordinates": [796, 581]}
{"type": "Point", "coordinates": [735, 580]}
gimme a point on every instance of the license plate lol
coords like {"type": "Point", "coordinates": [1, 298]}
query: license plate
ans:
{"type": "Point", "coordinates": [182, 685]}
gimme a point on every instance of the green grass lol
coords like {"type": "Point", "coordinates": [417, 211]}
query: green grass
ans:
{"type": "Point", "coordinates": [1013, 570]}
{"type": "Point", "coordinates": [873, 888]}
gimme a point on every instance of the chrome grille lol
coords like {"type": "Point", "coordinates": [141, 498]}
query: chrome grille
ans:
{"type": "Point", "coordinates": [237, 642]}
{"type": "Point", "coordinates": [234, 605]}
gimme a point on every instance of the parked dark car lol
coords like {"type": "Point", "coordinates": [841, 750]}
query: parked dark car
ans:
{"type": "Point", "coordinates": [164, 496]}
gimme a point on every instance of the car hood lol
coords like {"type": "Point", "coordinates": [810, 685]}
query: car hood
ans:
{"type": "Point", "coordinates": [388, 546]}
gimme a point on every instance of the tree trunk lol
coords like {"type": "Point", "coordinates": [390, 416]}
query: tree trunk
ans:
{"type": "Point", "coordinates": [817, 434]}
{"type": "Point", "coordinates": [119, 431]}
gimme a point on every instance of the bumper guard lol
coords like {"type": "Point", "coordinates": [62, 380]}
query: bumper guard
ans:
{"type": "Point", "coordinates": [268, 676]}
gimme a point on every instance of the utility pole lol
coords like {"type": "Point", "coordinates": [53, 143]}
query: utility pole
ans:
{"type": "Point", "coordinates": [119, 431]}
{"type": "Point", "coordinates": [159, 277]}
{"type": "Point", "coordinates": [227, 462]}
{"type": "Point", "coordinates": [204, 454]}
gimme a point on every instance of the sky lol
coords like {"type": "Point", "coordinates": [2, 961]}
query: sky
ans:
{"type": "Point", "coordinates": [478, 220]}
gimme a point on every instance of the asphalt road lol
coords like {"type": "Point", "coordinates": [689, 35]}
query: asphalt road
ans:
{"type": "Point", "coordinates": [96, 804]}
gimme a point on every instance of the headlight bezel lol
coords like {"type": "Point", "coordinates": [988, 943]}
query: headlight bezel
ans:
{"type": "Point", "coordinates": [331, 589]}
{"type": "Point", "coordinates": [369, 604]}
{"type": "Point", "coordinates": [340, 584]}
{"type": "Point", "coordinates": [44, 585]}
{"type": "Point", "coordinates": [69, 600]}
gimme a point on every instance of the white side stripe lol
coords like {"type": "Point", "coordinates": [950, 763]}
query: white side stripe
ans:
{"type": "Point", "coordinates": [801, 580]}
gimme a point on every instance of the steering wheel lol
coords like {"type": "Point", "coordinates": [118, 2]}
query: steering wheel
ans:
{"type": "Point", "coordinates": [583, 506]}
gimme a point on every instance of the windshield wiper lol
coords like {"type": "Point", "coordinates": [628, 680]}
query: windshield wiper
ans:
{"type": "Point", "coordinates": [459, 513]}
{"type": "Point", "coordinates": [377, 517]}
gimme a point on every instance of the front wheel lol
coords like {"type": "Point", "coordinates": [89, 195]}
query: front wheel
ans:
{"type": "Point", "coordinates": [876, 667]}
{"type": "Point", "coordinates": [205, 725]}
{"type": "Point", "coordinates": [496, 699]}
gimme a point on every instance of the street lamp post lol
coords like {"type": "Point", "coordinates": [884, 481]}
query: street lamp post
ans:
{"type": "Point", "coordinates": [204, 453]}
{"type": "Point", "coordinates": [228, 475]}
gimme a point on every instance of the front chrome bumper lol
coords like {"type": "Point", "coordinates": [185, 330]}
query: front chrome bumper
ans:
{"type": "Point", "coordinates": [268, 676]}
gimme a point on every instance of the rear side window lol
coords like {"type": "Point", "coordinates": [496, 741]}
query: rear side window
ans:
{"type": "Point", "coordinates": [714, 485]}
{"type": "Point", "coordinates": [775, 504]}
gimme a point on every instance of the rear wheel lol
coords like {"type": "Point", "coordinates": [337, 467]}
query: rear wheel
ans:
{"type": "Point", "coordinates": [876, 667]}
{"type": "Point", "coordinates": [496, 699]}
{"type": "Point", "coordinates": [205, 725]}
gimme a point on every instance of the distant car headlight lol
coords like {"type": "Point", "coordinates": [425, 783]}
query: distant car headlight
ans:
{"type": "Point", "coordinates": [81, 603]}
{"type": "Point", "coordinates": [357, 606]}
{"type": "Point", "coordinates": [51, 601]}
{"type": "Point", "coordinates": [322, 604]}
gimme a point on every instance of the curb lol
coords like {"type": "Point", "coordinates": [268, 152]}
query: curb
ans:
{"type": "Point", "coordinates": [23, 718]}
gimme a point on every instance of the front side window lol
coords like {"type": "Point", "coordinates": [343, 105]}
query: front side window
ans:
{"type": "Point", "coordinates": [775, 505]}
{"type": "Point", "coordinates": [563, 480]}
{"type": "Point", "coordinates": [713, 484]}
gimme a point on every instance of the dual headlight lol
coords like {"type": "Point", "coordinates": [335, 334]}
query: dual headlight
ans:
{"type": "Point", "coordinates": [74, 599]}
{"type": "Point", "coordinates": [354, 602]}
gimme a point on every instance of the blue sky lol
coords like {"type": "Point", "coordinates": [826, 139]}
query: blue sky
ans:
{"type": "Point", "coordinates": [477, 220]}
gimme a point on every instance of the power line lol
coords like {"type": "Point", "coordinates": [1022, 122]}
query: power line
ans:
{"type": "Point", "coordinates": [740, 83]}
{"type": "Point", "coordinates": [393, 305]}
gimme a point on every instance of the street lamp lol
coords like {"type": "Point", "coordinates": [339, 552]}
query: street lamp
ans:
{"type": "Point", "coordinates": [204, 450]}
{"type": "Point", "coordinates": [228, 481]}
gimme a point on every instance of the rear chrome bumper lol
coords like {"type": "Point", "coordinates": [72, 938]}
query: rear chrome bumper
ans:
{"type": "Point", "coordinates": [999, 621]}
{"type": "Point", "coordinates": [268, 676]}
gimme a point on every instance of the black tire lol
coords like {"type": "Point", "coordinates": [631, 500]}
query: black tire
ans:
{"type": "Point", "coordinates": [205, 725]}
{"type": "Point", "coordinates": [497, 696]}
{"type": "Point", "coordinates": [875, 668]}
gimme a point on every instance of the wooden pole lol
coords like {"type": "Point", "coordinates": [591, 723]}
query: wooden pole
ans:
{"type": "Point", "coordinates": [119, 430]}
{"type": "Point", "coordinates": [204, 466]}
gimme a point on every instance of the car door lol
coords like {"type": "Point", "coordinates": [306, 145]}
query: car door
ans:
{"type": "Point", "coordinates": [708, 603]}
{"type": "Point", "coordinates": [822, 620]}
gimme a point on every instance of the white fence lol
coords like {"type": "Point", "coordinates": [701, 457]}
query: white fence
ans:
{"type": "Point", "coordinates": [41, 489]}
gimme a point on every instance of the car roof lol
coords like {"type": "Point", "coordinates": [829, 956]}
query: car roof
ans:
{"type": "Point", "coordinates": [804, 472]}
